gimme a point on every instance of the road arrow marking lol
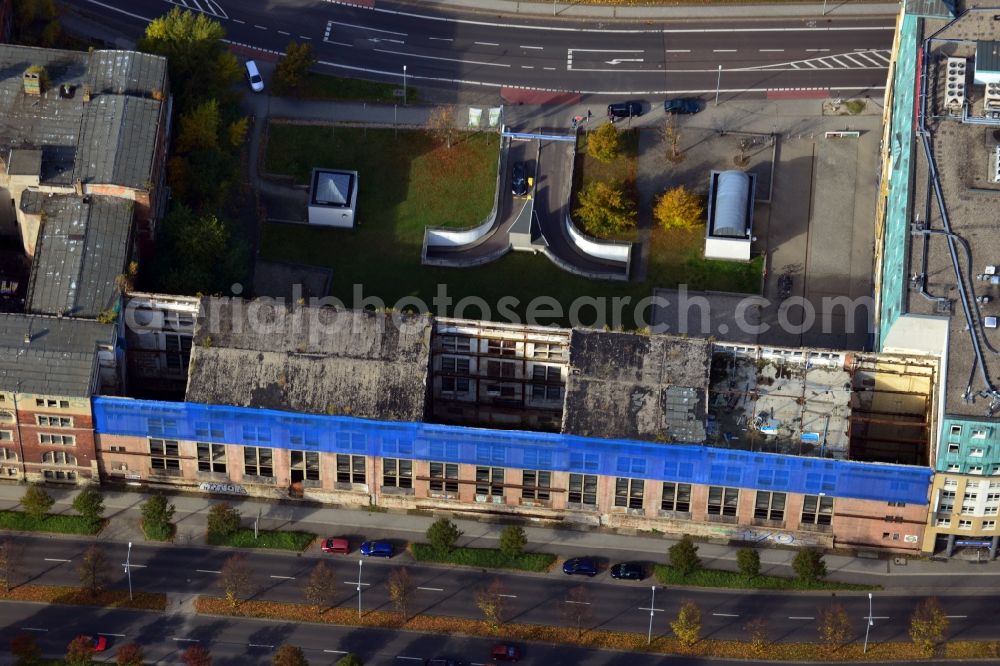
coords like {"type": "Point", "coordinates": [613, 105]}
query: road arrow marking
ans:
{"type": "Point", "coordinates": [618, 61]}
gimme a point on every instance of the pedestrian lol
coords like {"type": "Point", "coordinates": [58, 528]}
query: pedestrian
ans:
{"type": "Point", "coordinates": [589, 114]}
{"type": "Point", "coordinates": [574, 123]}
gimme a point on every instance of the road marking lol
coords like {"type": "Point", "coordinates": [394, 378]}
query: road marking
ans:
{"type": "Point", "coordinates": [260, 27]}
{"type": "Point", "coordinates": [56, 559]}
{"type": "Point", "coordinates": [365, 27]}
{"type": "Point", "coordinates": [33, 629]}
{"type": "Point", "coordinates": [486, 43]}
{"type": "Point", "coordinates": [441, 39]}
{"type": "Point", "coordinates": [99, 633]}
{"type": "Point", "coordinates": [817, 50]}
{"type": "Point", "coordinates": [800, 617]}
{"type": "Point", "coordinates": [549, 69]}
{"type": "Point", "coordinates": [508, 596]}
{"type": "Point", "coordinates": [432, 589]}
{"type": "Point", "coordinates": [527, 66]}
{"type": "Point", "coordinates": [337, 651]}
{"type": "Point", "coordinates": [725, 614]}
{"type": "Point", "coordinates": [411, 658]}
{"type": "Point", "coordinates": [284, 577]}
{"type": "Point", "coordinates": [282, 32]}
{"type": "Point", "coordinates": [876, 617]}
{"type": "Point", "coordinates": [239, 21]}
{"type": "Point", "coordinates": [956, 617]}
{"type": "Point", "coordinates": [581, 603]}
{"type": "Point", "coordinates": [355, 583]}
{"type": "Point", "coordinates": [427, 57]}
{"type": "Point", "coordinates": [723, 50]}
{"type": "Point", "coordinates": [260, 645]}
{"type": "Point", "coordinates": [771, 50]}
{"type": "Point", "coordinates": [185, 640]}
{"type": "Point", "coordinates": [207, 571]}
{"type": "Point", "coordinates": [536, 48]}
{"type": "Point", "coordinates": [137, 566]}
{"type": "Point", "coordinates": [678, 50]}
{"type": "Point", "coordinates": [304, 37]}
{"type": "Point", "coordinates": [658, 610]}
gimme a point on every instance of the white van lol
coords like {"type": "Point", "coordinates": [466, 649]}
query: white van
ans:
{"type": "Point", "coordinates": [256, 83]}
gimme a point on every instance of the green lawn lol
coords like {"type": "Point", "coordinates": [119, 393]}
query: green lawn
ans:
{"type": "Point", "coordinates": [489, 558]}
{"type": "Point", "coordinates": [413, 181]}
{"type": "Point", "coordinates": [280, 540]}
{"type": "Point", "coordinates": [18, 520]}
{"type": "Point", "coordinates": [718, 578]}
{"type": "Point", "coordinates": [324, 86]}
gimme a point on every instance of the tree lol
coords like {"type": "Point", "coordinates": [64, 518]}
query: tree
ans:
{"type": "Point", "coordinates": [36, 502]}
{"type": "Point", "coordinates": [26, 13]}
{"type": "Point", "coordinates": [604, 209]}
{"type": "Point", "coordinates": [512, 541]}
{"type": "Point", "coordinates": [350, 660]}
{"type": "Point", "coordinates": [89, 503]}
{"type": "Point", "coordinates": [678, 208]}
{"type": "Point", "coordinates": [210, 263]}
{"type": "Point", "coordinates": [809, 565]}
{"type": "Point", "coordinates": [237, 131]}
{"type": "Point", "coordinates": [758, 630]}
{"type": "Point", "coordinates": [928, 624]}
{"type": "Point", "coordinates": [748, 561]}
{"type": "Point", "coordinates": [79, 652]}
{"type": "Point", "coordinates": [223, 519]}
{"type": "Point", "coordinates": [684, 557]}
{"type": "Point", "coordinates": [130, 654]}
{"type": "Point", "coordinates": [671, 138]}
{"type": "Point", "coordinates": [51, 34]}
{"type": "Point", "coordinates": [11, 554]}
{"type": "Point", "coordinates": [833, 626]}
{"type": "Point", "coordinates": [687, 626]}
{"type": "Point", "coordinates": [234, 579]}
{"type": "Point", "coordinates": [289, 655]}
{"type": "Point", "coordinates": [576, 609]}
{"type": "Point", "coordinates": [401, 589]}
{"type": "Point", "coordinates": [157, 516]}
{"type": "Point", "coordinates": [25, 648]}
{"type": "Point", "coordinates": [93, 570]}
{"type": "Point", "coordinates": [293, 68]}
{"type": "Point", "coordinates": [198, 129]}
{"type": "Point", "coordinates": [442, 535]}
{"type": "Point", "coordinates": [492, 603]}
{"type": "Point", "coordinates": [604, 143]}
{"type": "Point", "coordinates": [441, 123]}
{"type": "Point", "coordinates": [197, 655]}
{"type": "Point", "coordinates": [321, 590]}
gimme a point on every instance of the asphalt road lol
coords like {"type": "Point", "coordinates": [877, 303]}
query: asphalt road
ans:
{"type": "Point", "coordinates": [532, 598]}
{"type": "Point", "coordinates": [845, 56]}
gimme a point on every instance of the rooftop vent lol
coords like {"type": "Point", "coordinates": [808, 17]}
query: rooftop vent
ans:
{"type": "Point", "coordinates": [991, 98]}
{"type": "Point", "coordinates": [34, 79]}
{"type": "Point", "coordinates": [954, 97]}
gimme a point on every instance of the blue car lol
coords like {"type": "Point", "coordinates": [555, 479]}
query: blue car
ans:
{"type": "Point", "coordinates": [580, 566]}
{"type": "Point", "coordinates": [377, 549]}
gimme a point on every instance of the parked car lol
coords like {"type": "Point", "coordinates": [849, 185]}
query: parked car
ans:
{"type": "Point", "coordinates": [505, 652]}
{"type": "Point", "coordinates": [335, 545]}
{"type": "Point", "coordinates": [580, 566]}
{"type": "Point", "coordinates": [95, 643]}
{"type": "Point", "coordinates": [377, 549]}
{"type": "Point", "coordinates": [628, 571]}
{"type": "Point", "coordinates": [253, 75]}
{"type": "Point", "coordinates": [519, 179]}
{"type": "Point", "coordinates": [682, 105]}
{"type": "Point", "coordinates": [624, 110]}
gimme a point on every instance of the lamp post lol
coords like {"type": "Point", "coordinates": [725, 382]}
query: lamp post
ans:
{"type": "Point", "coordinates": [652, 609]}
{"type": "Point", "coordinates": [871, 622]}
{"type": "Point", "coordinates": [718, 84]}
{"type": "Point", "coordinates": [128, 569]}
{"type": "Point", "coordinates": [404, 85]}
{"type": "Point", "coordinates": [360, 562]}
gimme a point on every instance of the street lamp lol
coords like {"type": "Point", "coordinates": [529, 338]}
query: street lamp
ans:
{"type": "Point", "coordinates": [128, 569]}
{"type": "Point", "coordinates": [404, 85]}
{"type": "Point", "coordinates": [360, 562]}
{"type": "Point", "coordinates": [652, 609]}
{"type": "Point", "coordinates": [871, 622]}
{"type": "Point", "coordinates": [718, 84]}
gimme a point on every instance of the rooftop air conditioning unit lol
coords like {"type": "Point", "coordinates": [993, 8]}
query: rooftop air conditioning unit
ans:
{"type": "Point", "coordinates": [954, 97]}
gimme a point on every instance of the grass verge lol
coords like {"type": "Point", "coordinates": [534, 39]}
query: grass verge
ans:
{"type": "Point", "coordinates": [666, 575]}
{"type": "Point", "coordinates": [490, 558]}
{"type": "Point", "coordinates": [75, 596]}
{"type": "Point", "coordinates": [326, 87]}
{"type": "Point", "coordinates": [277, 539]}
{"type": "Point", "coordinates": [614, 640]}
{"type": "Point", "coordinates": [18, 520]}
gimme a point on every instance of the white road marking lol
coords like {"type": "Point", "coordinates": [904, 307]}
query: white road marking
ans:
{"type": "Point", "coordinates": [725, 614]}
{"type": "Point", "coordinates": [549, 69]}
{"type": "Point", "coordinates": [284, 577]}
{"type": "Point", "coordinates": [657, 610]}
{"type": "Point", "coordinates": [330, 41]}
{"type": "Point", "coordinates": [527, 66]}
{"type": "Point", "coordinates": [486, 43]}
{"type": "Point", "coordinates": [365, 27]}
{"type": "Point", "coordinates": [260, 645]}
{"type": "Point", "coordinates": [56, 559]}
{"type": "Point", "coordinates": [337, 651]}
{"type": "Point", "coordinates": [207, 571]}
{"type": "Point", "coordinates": [185, 640]}
{"type": "Point", "coordinates": [432, 589]}
{"type": "Point", "coordinates": [260, 27]}
{"type": "Point", "coordinates": [771, 50]}
{"type": "Point", "coordinates": [355, 583]}
{"type": "Point", "coordinates": [580, 603]}
{"type": "Point", "coordinates": [876, 617]}
{"type": "Point", "coordinates": [723, 50]}
{"type": "Point", "coordinates": [508, 596]}
{"type": "Point", "coordinates": [101, 633]}
{"type": "Point", "coordinates": [817, 50]}
{"type": "Point", "coordinates": [137, 566]}
{"type": "Point", "coordinates": [956, 617]}
{"type": "Point", "coordinates": [800, 617]}
{"type": "Point", "coordinates": [239, 21]}
{"type": "Point", "coordinates": [304, 37]}
{"type": "Point", "coordinates": [536, 48]}
{"type": "Point", "coordinates": [411, 658]}
{"type": "Point", "coordinates": [427, 57]}
{"type": "Point", "coordinates": [33, 629]}
{"type": "Point", "coordinates": [678, 50]}
{"type": "Point", "coordinates": [441, 39]}
{"type": "Point", "coordinates": [282, 32]}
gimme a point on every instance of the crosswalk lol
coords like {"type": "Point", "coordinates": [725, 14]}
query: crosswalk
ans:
{"type": "Point", "coordinates": [209, 7]}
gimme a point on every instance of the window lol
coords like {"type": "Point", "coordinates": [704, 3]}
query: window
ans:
{"type": "Point", "coordinates": [397, 473]}
{"type": "Point", "coordinates": [117, 449]}
{"type": "Point", "coordinates": [6, 416]}
{"type": "Point", "coordinates": [954, 447]}
{"type": "Point", "coordinates": [547, 382]}
{"type": "Point", "coordinates": [8, 455]}
{"type": "Point", "coordinates": [980, 433]}
{"type": "Point", "coordinates": [723, 501]}
{"type": "Point", "coordinates": [305, 465]}
{"type": "Point", "coordinates": [952, 467]}
{"type": "Point", "coordinates": [177, 350]}
{"type": "Point", "coordinates": [546, 350]}
{"type": "Point", "coordinates": [950, 483]}
{"type": "Point", "coordinates": [6, 435]}
{"type": "Point", "coordinates": [944, 522]}
{"type": "Point", "coordinates": [489, 481]}
{"type": "Point", "coordinates": [899, 504]}
{"type": "Point", "coordinates": [502, 347]}
{"type": "Point", "coordinates": [50, 403]}
{"type": "Point", "coordinates": [444, 477]}
{"type": "Point", "coordinates": [58, 458]}
{"type": "Point", "coordinates": [536, 484]}
{"type": "Point", "coordinates": [956, 430]}
{"type": "Point", "coordinates": [968, 509]}
{"type": "Point", "coordinates": [500, 368]}
{"type": "Point", "coordinates": [164, 454]}
{"type": "Point", "coordinates": [993, 497]}
{"type": "Point", "coordinates": [970, 497]}
{"type": "Point", "coordinates": [975, 469]}
{"type": "Point", "coordinates": [212, 458]}
{"type": "Point", "coordinates": [350, 469]}
{"type": "Point", "coordinates": [454, 366]}
{"type": "Point", "coordinates": [976, 452]}
{"type": "Point", "coordinates": [769, 506]}
{"type": "Point", "coordinates": [59, 475]}
{"type": "Point", "coordinates": [965, 524]}
{"type": "Point", "coordinates": [54, 421]}
{"type": "Point", "coordinates": [258, 461]}
{"type": "Point", "coordinates": [991, 510]}
{"type": "Point", "coordinates": [49, 438]}
{"type": "Point", "coordinates": [583, 489]}
{"type": "Point", "coordinates": [455, 344]}
{"type": "Point", "coordinates": [676, 496]}
{"type": "Point", "coordinates": [628, 492]}
{"type": "Point", "coordinates": [989, 524]}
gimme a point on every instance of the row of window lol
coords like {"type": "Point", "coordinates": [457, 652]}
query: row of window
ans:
{"type": "Point", "coordinates": [975, 468]}
{"type": "Point", "coordinates": [44, 438]}
{"type": "Point", "coordinates": [44, 402]}
{"type": "Point", "coordinates": [966, 524]}
{"type": "Point", "coordinates": [459, 344]}
{"type": "Point", "coordinates": [49, 457]}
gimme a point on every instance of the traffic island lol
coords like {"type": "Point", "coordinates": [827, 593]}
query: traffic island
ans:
{"type": "Point", "coordinates": [76, 596]}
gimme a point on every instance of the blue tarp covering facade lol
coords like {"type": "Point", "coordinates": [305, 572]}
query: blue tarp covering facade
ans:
{"type": "Point", "coordinates": [510, 448]}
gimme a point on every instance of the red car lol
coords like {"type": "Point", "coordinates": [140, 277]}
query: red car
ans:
{"type": "Point", "coordinates": [504, 652]}
{"type": "Point", "coordinates": [95, 643]}
{"type": "Point", "coordinates": [334, 545]}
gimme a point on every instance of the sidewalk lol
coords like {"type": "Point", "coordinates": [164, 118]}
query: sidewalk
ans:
{"type": "Point", "coordinates": [123, 515]}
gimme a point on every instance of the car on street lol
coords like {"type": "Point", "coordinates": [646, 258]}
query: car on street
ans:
{"type": "Point", "coordinates": [580, 566]}
{"type": "Point", "coordinates": [519, 179]}
{"type": "Point", "coordinates": [377, 549]}
{"type": "Point", "coordinates": [624, 110]}
{"type": "Point", "coordinates": [505, 652]}
{"type": "Point", "coordinates": [253, 75]}
{"type": "Point", "coordinates": [628, 571]}
{"type": "Point", "coordinates": [682, 105]}
{"type": "Point", "coordinates": [95, 643]}
{"type": "Point", "coordinates": [335, 545]}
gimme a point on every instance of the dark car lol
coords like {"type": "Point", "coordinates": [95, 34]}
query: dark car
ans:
{"type": "Point", "coordinates": [580, 566]}
{"type": "Point", "coordinates": [505, 652]}
{"type": "Point", "coordinates": [624, 110]}
{"type": "Point", "coordinates": [682, 105]}
{"type": "Point", "coordinates": [377, 549]}
{"type": "Point", "coordinates": [519, 179]}
{"type": "Point", "coordinates": [628, 571]}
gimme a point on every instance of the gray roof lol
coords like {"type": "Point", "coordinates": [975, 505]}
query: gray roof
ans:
{"type": "Point", "coordinates": [82, 247]}
{"type": "Point", "coordinates": [60, 359]}
{"type": "Point", "coordinates": [637, 386]}
{"type": "Point", "coordinates": [117, 141]}
{"type": "Point", "coordinates": [314, 360]}
{"type": "Point", "coordinates": [988, 56]}
{"type": "Point", "coordinates": [931, 8]}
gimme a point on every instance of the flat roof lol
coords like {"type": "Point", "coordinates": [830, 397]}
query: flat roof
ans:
{"type": "Point", "coordinates": [332, 188]}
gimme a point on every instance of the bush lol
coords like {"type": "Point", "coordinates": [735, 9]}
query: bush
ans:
{"type": "Point", "coordinates": [678, 208]}
{"type": "Point", "coordinates": [22, 522]}
{"type": "Point", "coordinates": [443, 534]}
{"type": "Point", "coordinates": [512, 541]}
{"type": "Point", "coordinates": [79, 652]}
{"type": "Point", "coordinates": [223, 519]}
{"type": "Point", "coordinates": [277, 539]}
{"type": "Point", "coordinates": [748, 561]}
{"type": "Point", "coordinates": [130, 654]}
{"type": "Point", "coordinates": [36, 502]}
{"type": "Point", "coordinates": [349, 660]}
{"type": "Point", "coordinates": [289, 655]}
{"type": "Point", "coordinates": [487, 558]}
{"type": "Point", "coordinates": [157, 515]}
{"type": "Point", "coordinates": [684, 556]}
{"type": "Point", "coordinates": [197, 655]}
{"type": "Point", "coordinates": [604, 209]}
{"type": "Point", "coordinates": [25, 648]}
{"type": "Point", "coordinates": [604, 143]}
{"type": "Point", "coordinates": [809, 565]}
{"type": "Point", "coordinates": [89, 503]}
